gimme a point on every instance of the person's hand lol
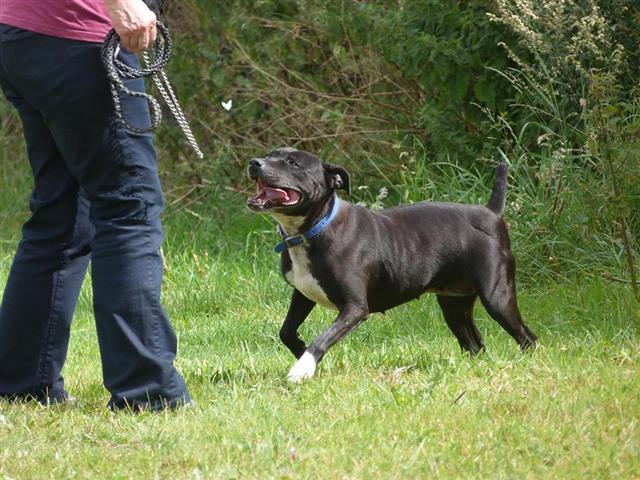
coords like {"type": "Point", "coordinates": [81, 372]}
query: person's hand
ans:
{"type": "Point", "coordinates": [134, 23]}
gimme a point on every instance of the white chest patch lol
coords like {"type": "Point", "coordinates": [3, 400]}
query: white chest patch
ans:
{"type": "Point", "coordinates": [301, 278]}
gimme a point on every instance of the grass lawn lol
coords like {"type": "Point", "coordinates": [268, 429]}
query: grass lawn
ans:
{"type": "Point", "coordinates": [396, 399]}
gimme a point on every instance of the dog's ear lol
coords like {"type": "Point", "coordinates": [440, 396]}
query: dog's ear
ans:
{"type": "Point", "coordinates": [337, 177]}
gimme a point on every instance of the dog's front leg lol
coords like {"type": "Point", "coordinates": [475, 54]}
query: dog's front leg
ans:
{"type": "Point", "coordinates": [348, 318]}
{"type": "Point", "coordinates": [299, 310]}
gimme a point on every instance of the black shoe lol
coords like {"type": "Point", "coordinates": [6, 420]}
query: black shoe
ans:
{"type": "Point", "coordinates": [137, 406]}
{"type": "Point", "coordinates": [62, 399]}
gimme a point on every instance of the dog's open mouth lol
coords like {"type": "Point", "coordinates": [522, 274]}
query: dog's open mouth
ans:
{"type": "Point", "coordinates": [268, 196]}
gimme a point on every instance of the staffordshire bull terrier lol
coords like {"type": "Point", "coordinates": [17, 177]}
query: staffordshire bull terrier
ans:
{"type": "Point", "coordinates": [360, 261]}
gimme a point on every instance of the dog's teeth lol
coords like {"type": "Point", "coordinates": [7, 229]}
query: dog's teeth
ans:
{"type": "Point", "coordinates": [304, 368]}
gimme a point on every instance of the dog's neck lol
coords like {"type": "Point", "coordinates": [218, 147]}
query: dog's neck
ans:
{"type": "Point", "coordinates": [296, 225]}
{"type": "Point", "coordinates": [291, 225]}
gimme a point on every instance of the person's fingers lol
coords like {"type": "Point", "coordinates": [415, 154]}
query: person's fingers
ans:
{"type": "Point", "coordinates": [153, 34]}
{"type": "Point", "coordinates": [143, 40]}
{"type": "Point", "coordinates": [131, 43]}
{"type": "Point", "coordinates": [127, 41]}
{"type": "Point", "coordinates": [136, 42]}
{"type": "Point", "coordinates": [137, 38]}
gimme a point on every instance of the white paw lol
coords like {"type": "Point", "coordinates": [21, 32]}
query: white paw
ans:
{"type": "Point", "coordinates": [304, 368]}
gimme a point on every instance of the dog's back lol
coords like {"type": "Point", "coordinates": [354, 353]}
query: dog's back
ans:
{"type": "Point", "coordinates": [416, 248]}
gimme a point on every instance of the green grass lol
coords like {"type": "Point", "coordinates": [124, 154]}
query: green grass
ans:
{"type": "Point", "coordinates": [396, 399]}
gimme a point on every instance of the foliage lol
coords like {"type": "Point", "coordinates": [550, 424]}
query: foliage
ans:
{"type": "Point", "coordinates": [422, 98]}
{"type": "Point", "coordinates": [296, 78]}
{"type": "Point", "coordinates": [623, 17]}
{"type": "Point", "coordinates": [349, 80]}
{"type": "Point", "coordinates": [448, 52]}
{"type": "Point", "coordinates": [575, 120]}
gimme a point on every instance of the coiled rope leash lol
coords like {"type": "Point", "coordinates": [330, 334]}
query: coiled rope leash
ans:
{"type": "Point", "coordinates": [118, 71]}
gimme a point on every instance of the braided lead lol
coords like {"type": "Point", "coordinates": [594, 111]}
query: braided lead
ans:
{"type": "Point", "coordinates": [166, 91]}
{"type": "Point", "coordinates": [118, 71]}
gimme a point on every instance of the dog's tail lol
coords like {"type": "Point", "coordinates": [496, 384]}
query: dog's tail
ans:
{"type": "Point", "coordinates": [499, 192]}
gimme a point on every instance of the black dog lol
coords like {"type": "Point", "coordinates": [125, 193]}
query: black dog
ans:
{"type": "Point", "coordinates": [360, 261]}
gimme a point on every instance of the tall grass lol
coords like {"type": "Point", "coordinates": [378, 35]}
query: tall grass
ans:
{"type": "Point", "coordinates": [576, 122]}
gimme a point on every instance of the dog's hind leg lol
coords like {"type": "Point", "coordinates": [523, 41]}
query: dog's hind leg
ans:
{"type": "Point", "coordinates": [458, 313]}
{"type": "Point", "coordinates": [299, 310]}
{"type": "Point", "coordinates": [498, 295]}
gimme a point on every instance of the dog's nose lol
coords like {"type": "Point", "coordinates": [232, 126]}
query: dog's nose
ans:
{"type": "Point", "coordinates": [255, 163]}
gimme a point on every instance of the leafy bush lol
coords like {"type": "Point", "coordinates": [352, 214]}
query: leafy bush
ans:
{"type": "Point", "coordinates": [349, 80]}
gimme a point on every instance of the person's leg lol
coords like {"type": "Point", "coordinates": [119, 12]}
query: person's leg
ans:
{"type": "Point", "coordinates": [137, 342]}
{"type": "Point", "coordinates": [118, 172]}
{"type": "Point", "coordinates": [49, 265]}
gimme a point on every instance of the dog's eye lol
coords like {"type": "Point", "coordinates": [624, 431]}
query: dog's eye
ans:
{"type": "Point", "coordinates": [292, 162]}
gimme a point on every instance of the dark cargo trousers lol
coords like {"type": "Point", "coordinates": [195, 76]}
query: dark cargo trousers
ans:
{"type": "Point", "coordinates": [96, 197]}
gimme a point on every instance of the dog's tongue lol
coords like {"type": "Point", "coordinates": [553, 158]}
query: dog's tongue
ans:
{"type": "Point", "coordinates": [269, 193]}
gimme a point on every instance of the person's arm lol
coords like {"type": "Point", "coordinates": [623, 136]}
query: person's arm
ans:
{"type": "Point", "coordinates": [133, 22]}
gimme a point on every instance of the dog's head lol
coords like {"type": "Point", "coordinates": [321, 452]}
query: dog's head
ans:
{"type": "Point", "coordinates": [291, 182]}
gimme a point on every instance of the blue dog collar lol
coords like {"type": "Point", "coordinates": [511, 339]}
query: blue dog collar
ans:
{"type": "Point", "coordinates": [296, 240]}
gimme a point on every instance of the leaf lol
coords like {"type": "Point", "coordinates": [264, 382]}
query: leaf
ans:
{"type": "Point", "coordinates": [460, 84]}
{"type": "Point", "coordinates": [485, 92]}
